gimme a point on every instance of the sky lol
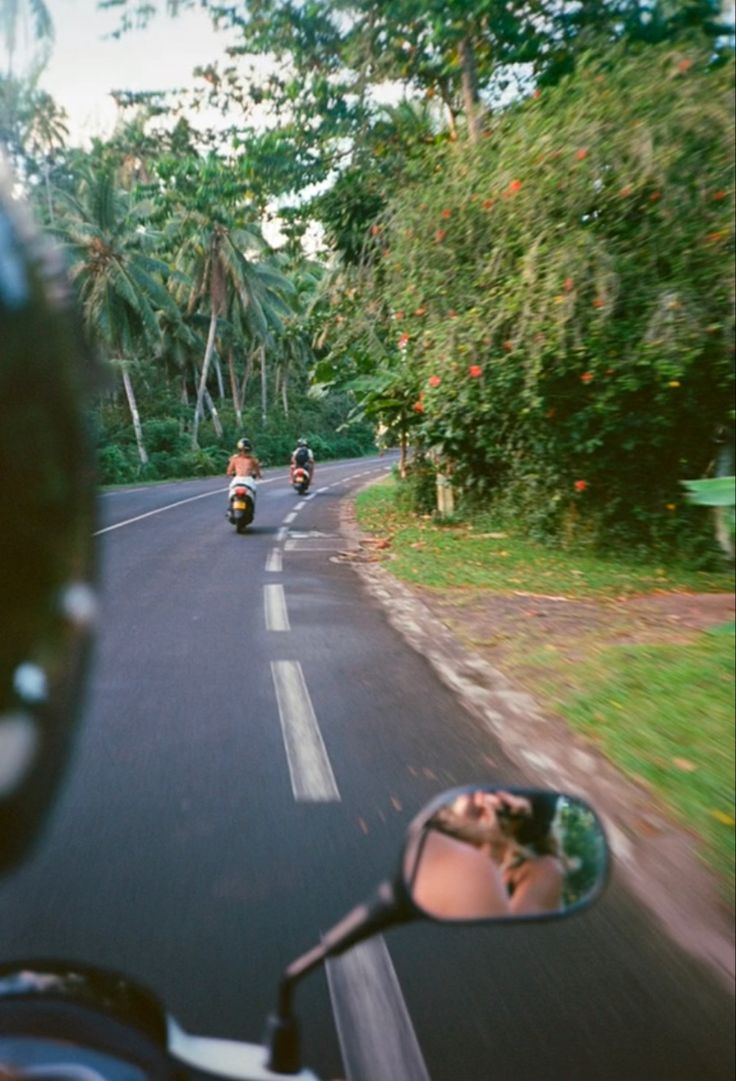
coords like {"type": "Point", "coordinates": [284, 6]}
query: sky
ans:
{"type": "Point", "coordinates": [85, 66]}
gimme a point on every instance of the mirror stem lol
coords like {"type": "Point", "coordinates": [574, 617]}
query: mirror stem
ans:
{"type": "Point", "coordinates": [387, 906]}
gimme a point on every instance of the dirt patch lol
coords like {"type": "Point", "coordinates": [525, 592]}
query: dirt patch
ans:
{"type": "Point", "coordinates": [509, 628]}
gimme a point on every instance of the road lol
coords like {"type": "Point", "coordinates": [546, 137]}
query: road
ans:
{"type": "Point", "coordinates": [198, 849]}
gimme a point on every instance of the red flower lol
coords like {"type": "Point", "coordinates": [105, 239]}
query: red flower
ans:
{"type": "Point", "coordinates": [684, 66]}
{"type": "Point", "coordinates": [569, 285]}
{"type": "Point", "coordinates": [475, 371]}
{"type": "Point", "coordinates": [440, 235]}
{"type": "Point", "coordinates": [581, 485]}
{"type": "Point", "coordinates": [718, 195]}
{"type": "Point", "coordinates": [537, 93]}
{"type": "Point", "coordinates": [398, 315]}
{"type": "Point", "coordinates": [515, 186]}
{"type": "Point", "coordinates": [586, 377]}
{"type": "Point", "coordinates": [403, 341]}
{"type": "Point", "coordinates": [375, 230]}
{"type": "Point", "coordinates": [487, 204]}
{"type": "Point", "coordinates": [418, 407]}
{"type": "Point", "coordinates": [582, 153]}
{"type": "Point", "coordinates": [434, 380]}
{"type": "Point", "coordinates": [655, 196]}
{"type": "Point", "coordinates": [599, 302]}
{"type": "Point", "coordinates": [446, 213]}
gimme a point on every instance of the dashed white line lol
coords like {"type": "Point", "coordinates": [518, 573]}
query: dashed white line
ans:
{"type": "Point", "coordinates": [320, 490]}
{"type": "Point", "coordinates": [312, 779]}
{"type": "Point", "coordinates": [290, 518]}
{"type": "Point", "coordinates": [277, 617]}
{"type": "Point", "coordinates": [274, 563]}
{"type": "Point", "coordinates": [299, 505]}
{"type": "Point", "coordinates": [376, 1035]}
{"type": "Point", "coordinates": [282, 533]}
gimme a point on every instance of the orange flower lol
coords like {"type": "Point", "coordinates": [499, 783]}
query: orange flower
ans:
{"type": "Point", "coordinates": [475, 371]}
{"type": "Point", "coordinates": [599, 302]}
{"type": "Point", "coordinates": [537, 93]}
{"type": "Point", "coordinates": [375, 230]}
{"type": "Point", "coordinates": [398, 315]}
{"type": "Point", "coordinates": [514, 186]}
{"type": "Point", "coordinates": [403, 341]}
{"type": "Point", "coordinates": [582, 153]}
{"type": "Point", "coordinates": [581, 485]}
{"type": "Point", "coordinates": [586, 377]}
{"type": "Point", "coordinates": [655, 196]}
{"type": "Point", "coordinates": [440, 235]}
{"type": "Point", "coordinates": [508, 346]}
{"type": "Point", "coordinates": [714, 238]}
{"type": "Point", "coordinates": [487, 204]}
{"type": "Point", "coordinates": [684, 66]}
{"type": "Point", "coordinates": [446, 213]}
{"type": "Point", "coordinates": [718, 195]}
{"type": "Point", "coordinates": [418, 407]}
{"type": "Point", "coordinates": [569, 285]}
{"type": "Point", "coordinates": [421, 311]}
{"type": "Point", "coordinates": [434, 380]}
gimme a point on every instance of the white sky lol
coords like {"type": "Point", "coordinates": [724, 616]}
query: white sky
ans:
{"type": "Point", "coordinates": [85, 67]}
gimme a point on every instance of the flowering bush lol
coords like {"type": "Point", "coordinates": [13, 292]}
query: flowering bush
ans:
{"type": "Point", "coordinates": [578, 305]}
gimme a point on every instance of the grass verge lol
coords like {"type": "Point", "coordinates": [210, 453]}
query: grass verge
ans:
{"type": "Point", "coordinates": [662, 712]}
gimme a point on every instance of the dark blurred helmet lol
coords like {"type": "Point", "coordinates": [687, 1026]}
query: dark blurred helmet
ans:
{"type": "Point", "coordinates": [536, 828]}
{"type": "Point", "coordinates": [245, 444]}
{"type": "Point", "coordinates": [47, 599]}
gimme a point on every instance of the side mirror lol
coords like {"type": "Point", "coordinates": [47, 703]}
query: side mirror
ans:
{"type": "Point", "coordinates": [490, 853]}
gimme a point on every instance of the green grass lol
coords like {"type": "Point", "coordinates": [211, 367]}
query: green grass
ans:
{"type": "Point", "coordinates": [663, 713]}
{"type": "Point", "coordinates": [473, 554]}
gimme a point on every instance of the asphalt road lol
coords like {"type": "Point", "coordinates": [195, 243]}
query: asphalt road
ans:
{"type": "Point", "coordinates": [197, 848]}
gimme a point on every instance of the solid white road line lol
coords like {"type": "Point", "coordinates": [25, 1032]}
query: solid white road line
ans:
{"type": "Point", "coordinates": [377, 1038]}
{"type": "Point", "coordinates": [273, 563]}
{"type": "Point", "coordinates": [312, 779]}
{"type": "Point", "coordinates": [277, 618]}
{"type": "Point", "coordinates": [160, 510]}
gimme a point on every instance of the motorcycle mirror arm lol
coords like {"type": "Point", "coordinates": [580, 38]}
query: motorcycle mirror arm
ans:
{"type": "Point", "coordinates": [388, 906]}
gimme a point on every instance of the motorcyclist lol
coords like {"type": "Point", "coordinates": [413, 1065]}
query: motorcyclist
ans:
{"type": "Point", "coordinates": [244, 463]}
{"type": "Point", "coordinates": [302, 456]}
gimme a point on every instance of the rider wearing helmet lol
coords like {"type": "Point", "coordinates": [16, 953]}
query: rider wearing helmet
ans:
{"type": "Point", "coordinates": [302, 456]}
{"type": "Point", "coordinates": [244, 463]}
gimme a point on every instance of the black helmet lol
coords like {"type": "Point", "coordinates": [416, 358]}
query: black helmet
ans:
{"type": "Point", "coordinates": [245, 444]}
{"type": "Point", "coordinates": [47, 598]}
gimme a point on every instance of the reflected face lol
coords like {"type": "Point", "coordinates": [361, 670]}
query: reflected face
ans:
{"type": "Point", "coordinates": [490, 853]}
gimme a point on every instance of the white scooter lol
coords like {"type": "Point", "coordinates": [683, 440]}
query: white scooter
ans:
{"type": "Point", "coordinates": [242, 502]}
{"type": "Point", "coordinates": [76, 1023]}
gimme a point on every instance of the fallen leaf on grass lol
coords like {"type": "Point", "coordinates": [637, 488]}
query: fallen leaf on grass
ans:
{"type": "Point", "coordinates": [724, 819]}
{"type": "Point", "coordinates": [418, 544]}
{"type": "Point", "coordinates": [684, 764]}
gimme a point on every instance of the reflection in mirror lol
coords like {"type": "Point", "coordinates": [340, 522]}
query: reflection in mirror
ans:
{"type": "Point", "coordinates": [499, 853]}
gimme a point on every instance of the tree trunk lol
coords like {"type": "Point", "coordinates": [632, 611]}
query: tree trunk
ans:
{"type": "Point", "coordinates": [218, 373]}
{"type": "Point", "coordinates": [203, 379]}
{"type": "Point", "coordinates": [135, 416]}
{"type": "Point", "coordinates": [285, 392]}
{"type": "Point", "coordinates": [217, 423]}
{"type": "Point", "coordinates": [470, 89]}
{"type": "Point", "coordinates": [237, 406]}
{"type": "Point", "coordinates": [403, 443]}
{"type": "Point", "coordinates": [247, 373]}
{"type": "Point", "coordinates": [264, 388]}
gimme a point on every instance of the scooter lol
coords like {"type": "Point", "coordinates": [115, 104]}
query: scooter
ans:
{"type": "Point", "coordinates": [300, 479]}
{"type": "Point", "coordinates": [242, 496]}
{"type": "Point", "coordinates": [79, 1023]}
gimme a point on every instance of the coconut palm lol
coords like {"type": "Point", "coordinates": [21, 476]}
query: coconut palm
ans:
{"type": "Point", "coordinates": [120, 284]}
{"type": "Point", "coordinates": [223, 278]}
{"type": "Point", "coordinates": [15, 14]}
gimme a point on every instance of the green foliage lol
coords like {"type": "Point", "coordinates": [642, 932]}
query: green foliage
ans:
{"type": "Point", "coordinates": [562, 299]}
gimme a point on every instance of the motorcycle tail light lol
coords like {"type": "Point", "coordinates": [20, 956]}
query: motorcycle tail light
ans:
{"type": "Point", "coordinates": [240, 492]}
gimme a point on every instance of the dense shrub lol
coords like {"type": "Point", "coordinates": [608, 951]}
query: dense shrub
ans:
{"type": "Point", "coordinates": [560, 299]}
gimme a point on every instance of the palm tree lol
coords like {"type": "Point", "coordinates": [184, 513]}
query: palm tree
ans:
{"type": "Point", "coordinates": [222, 278]}
{"type": "Point", "coordinates": [12, 16]}
{"type": "Point", "coordinates": [120, 284]}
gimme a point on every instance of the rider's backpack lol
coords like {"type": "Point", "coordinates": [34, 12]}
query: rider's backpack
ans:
{"type": "Point", "coordinates": [301, 456]}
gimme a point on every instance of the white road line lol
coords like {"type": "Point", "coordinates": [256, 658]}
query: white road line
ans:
{"type": "Point", "coordinates": [299, 505]}
{"type": "Point", "coordinates": [290, 518]}
{"type": "Point", "coordinates": [312, 779]}
{"type": "Point", "coordinates": [160, 510]}
{"type": "Point", "coordinates": [282, 533]}
{"type": "Point", "coordinates": [320, 490]}
{"type": "Point", "coordinates": [377, 1038]}
{"type": "Point", "coordinates": [273, 563]}
{"type": "Point", "coordinates": [277, 618]}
